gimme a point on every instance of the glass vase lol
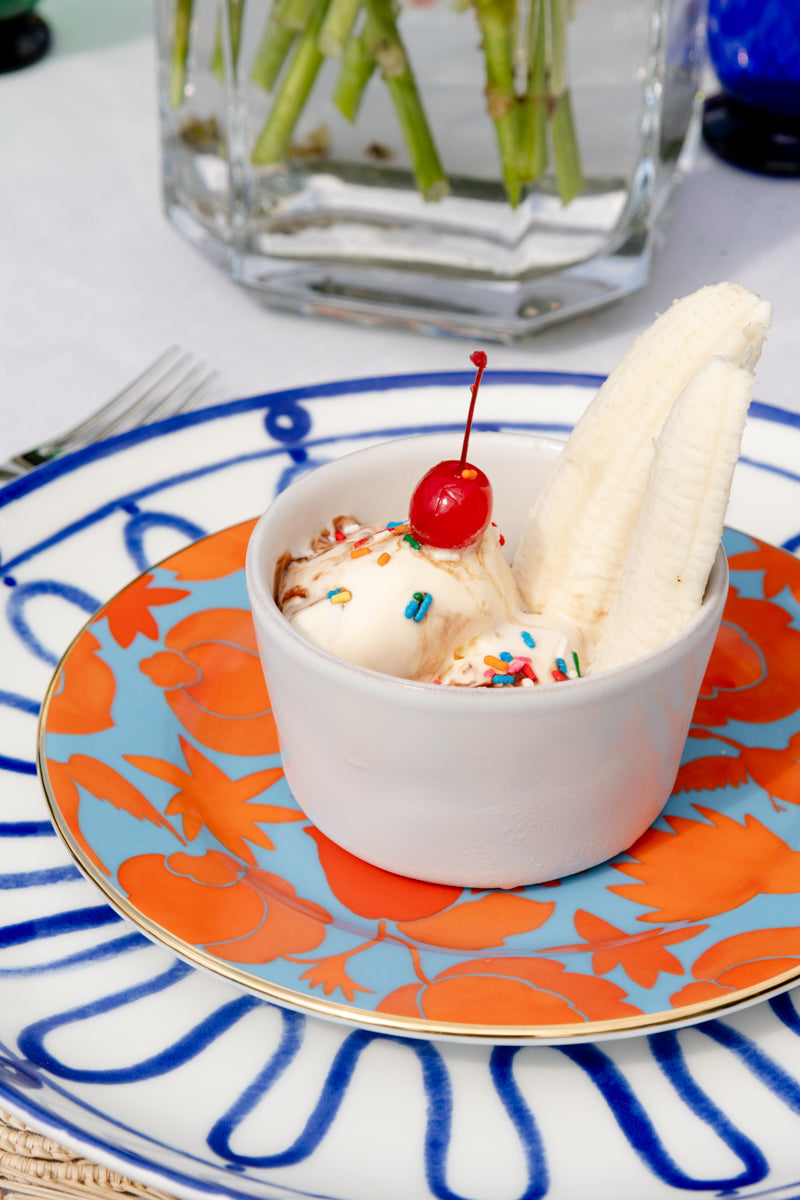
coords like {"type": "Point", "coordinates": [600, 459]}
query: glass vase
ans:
{"type": "Point", "coordinates": [481, 169]}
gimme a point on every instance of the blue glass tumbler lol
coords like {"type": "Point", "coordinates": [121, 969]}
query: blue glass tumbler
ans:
{"type": "Point", "coordinates": [755, 49]}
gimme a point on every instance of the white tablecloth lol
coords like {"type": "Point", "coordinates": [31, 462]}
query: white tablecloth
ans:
{"type": "Point", "coordinates": [94, 282]}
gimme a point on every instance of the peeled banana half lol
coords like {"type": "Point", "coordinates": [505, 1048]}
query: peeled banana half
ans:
{"type": "Point", "coordinates": [622, 538]}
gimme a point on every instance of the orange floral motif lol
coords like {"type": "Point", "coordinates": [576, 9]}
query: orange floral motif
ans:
{"type": "Point", "coordinates": [775, 769]}
{"type": "Point", "coordinates": [776, 564]}
{"type": "Point", "coordinates": [751, 677]}
{"type": "Point", "coordinates": [209, 799]}
{"type": "Point", "coordinates": [104, 783]}
{"type": "Point", "coordinates": [709, 771]}
{"type": "Point", "coordinates": [735, 663]}
{"type": "Point", "coordinates": [213, 557]}
{"type": "Point", "coordinates": [82, 700]}
{"type": "Point", "coordinates": [753, 670]}
{"type": "Point", "coordinates": [511, 991]}
{"type": "Point", "coordinates": [642, 956]}
{"type": "Point", "coordinates": [741, 961]}
{"type": "Point", "coordinates": [331, 973]}
{"type": "Point", "coordinates": [479, 924]}
{"type": "Point", "coordinates": [240, 914]}
{"type": "Point", "coordinates": [701, 868]}
{"type": "Point", "coordinates": [129, 612]}
{"type": "Point", "coordinates": [213, 682]}
{"type": "Point", "coordinates": [374, 893]}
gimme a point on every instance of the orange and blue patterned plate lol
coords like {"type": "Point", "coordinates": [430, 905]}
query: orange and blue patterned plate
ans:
{"type": "Point", "coordinates": [161, 764]}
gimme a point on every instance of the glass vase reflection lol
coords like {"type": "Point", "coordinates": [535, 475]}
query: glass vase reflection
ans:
{"type": "Point", "coordinates": [755, 50]}
{"type": "Point", "coordinates": [481, 170]}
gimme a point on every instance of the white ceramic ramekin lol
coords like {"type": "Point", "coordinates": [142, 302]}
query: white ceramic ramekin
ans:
{"type": "Point", "coordinates": [475, 787]}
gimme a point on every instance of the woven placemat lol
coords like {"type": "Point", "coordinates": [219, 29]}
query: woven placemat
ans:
{"type": "Point", "coordinates": [33, 1167]}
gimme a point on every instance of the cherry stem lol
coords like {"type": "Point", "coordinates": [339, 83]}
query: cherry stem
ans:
{"type": "Point", "coordinates": [479, 360]}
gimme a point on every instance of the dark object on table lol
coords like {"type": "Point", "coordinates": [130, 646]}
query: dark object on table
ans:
{"type": "Point", "coordinates": [24, 37]}
{"type": "Point", "coordinates": [755, 49]}
{"type": "Point", "coordinates": [752, 138]}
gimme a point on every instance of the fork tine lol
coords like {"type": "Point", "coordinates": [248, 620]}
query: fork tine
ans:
{"type": "Point", "coordinates": [85, 430]}
{"type": "Point", "coordinates": [148, 406]}
{"type": "Point", "coordinates": [172, 384]}
{"type": "Point", "coordinates": [138, 400]}
{"type": "Point", "coordinates": [189, 398]}
{"type": "Point", "coordinates": [182, 395]}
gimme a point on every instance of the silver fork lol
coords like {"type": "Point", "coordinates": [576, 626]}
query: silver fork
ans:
{"type": "Point", "coordinates": [172, 384]}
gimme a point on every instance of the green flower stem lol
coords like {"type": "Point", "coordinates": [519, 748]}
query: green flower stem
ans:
{"type": "Point", "coordinates": [389, 53]}
{"type": "Point", "coordinates": [297, 13]}
{"type": "Point", "coordinates": [235, 18]}
{"type": "Point", "coordinates": [180, 51]}
{"type": "Point", "coordinates": [235, 14]}
{"type": "Point", "coordinates": [533, 112]}
{"type": "Point", "coordinates": [273, 141]}
{"type": "Point", "coordinates": [569, 175]}
{"type": "Point", "coordinates": [273, 50]}
{"type": "Point", "coordinates": [217, 55]}
{"type": "Point", "coordinates": [557, 57]}
{"type": "Point", "coordinates": [358, 67]}
{"type": "Point", "coordinates": [337, 26]}
{"type": "Point", "coordinates": [496, 24]}
{"type": "Point", "coordinates": [527, 86]}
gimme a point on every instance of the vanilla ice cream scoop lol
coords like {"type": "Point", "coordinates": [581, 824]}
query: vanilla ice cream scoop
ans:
{"type": "Point", "coordinates": [431, 599]}
{"type": "Point", "coordinates": [376, 597]}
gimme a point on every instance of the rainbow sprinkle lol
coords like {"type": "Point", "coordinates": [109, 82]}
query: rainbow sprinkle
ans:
{"type": "Point", "coordinates": [469, 473]}
{"type": "Point", "coordinates": [505, 669]}
{"type": "Point", "coordinates": [418, 606]}
{"type": "Point", "coordinates": [360, 552]}
{"type": "Point", "coordinates": [577, 664]}
{"type": "Point", "coordinates": [528, 640]}
{"type": "Point", "coordinates": [339, 595]}
{"type": "Point", "coordinates": [411, 541]}
{"type": "Point", "coordinates": [427, 600]}
{"type": "Point", "coordinates": [383, 559]}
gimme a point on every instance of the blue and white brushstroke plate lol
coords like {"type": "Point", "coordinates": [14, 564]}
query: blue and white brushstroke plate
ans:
{"type": "Point", "coordinates": [177, 1078]}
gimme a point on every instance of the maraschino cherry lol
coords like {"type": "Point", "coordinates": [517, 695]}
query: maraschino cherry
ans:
{"type": "Point", "coordinates": [452, 504]}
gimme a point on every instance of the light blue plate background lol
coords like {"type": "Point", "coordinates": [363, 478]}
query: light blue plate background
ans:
{"type": "Point", "coordinates": [145, 725]}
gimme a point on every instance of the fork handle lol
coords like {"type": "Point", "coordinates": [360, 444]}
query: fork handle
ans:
{"type": "Point", "coordinates": [20, 464]}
